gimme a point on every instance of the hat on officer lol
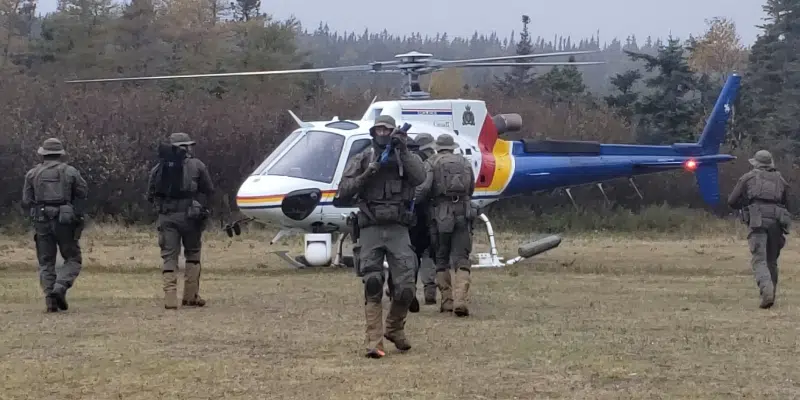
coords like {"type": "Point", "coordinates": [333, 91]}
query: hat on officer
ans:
{"type": "Point", "coordinates": [424, 141]}
{"type": "Point", "coordinates": [180, 139]}
{"type": "Point", "coordinates": [445, 142]}
{"type": "Point", "coordinates": [383, 120]}
{"type": "Point", "coordinates": [762, 158]}
{"type": "Point", "coordinates": [51, 146]}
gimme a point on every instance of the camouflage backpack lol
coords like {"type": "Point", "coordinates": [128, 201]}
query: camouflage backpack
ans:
{"type": "Point", "coordinates": [451, 175]}
{"type": "Point", "coordinates": [50, 185]}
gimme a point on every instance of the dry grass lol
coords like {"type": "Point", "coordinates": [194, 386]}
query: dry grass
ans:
{"type": "Point", "coordinates": [598, 317]}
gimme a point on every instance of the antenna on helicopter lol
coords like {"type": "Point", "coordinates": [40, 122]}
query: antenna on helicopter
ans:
{"type": "Point", "coordinates": [299, 121]}
{"type": "Point", "coordinates": [412, 64]}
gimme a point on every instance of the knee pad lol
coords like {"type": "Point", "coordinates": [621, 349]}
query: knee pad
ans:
{"type": "Point", "coordinates": [373, 287]}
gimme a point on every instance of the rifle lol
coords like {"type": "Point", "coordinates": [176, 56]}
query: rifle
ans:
{"type": "Point", "coordinates": [384, 158]}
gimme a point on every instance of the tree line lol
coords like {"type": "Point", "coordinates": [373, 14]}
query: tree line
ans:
{"type": "Point", "coordinates": [656, 92]}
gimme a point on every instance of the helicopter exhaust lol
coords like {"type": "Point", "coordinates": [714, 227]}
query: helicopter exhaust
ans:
{"type": "Point", "coordinates": [507, 123]}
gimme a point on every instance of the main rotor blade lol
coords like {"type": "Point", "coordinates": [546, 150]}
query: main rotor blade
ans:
{"type": "Point", "coordinates": [517, 57]}
{"type": "Point", "coordinates": [355, 68]}
{"type": "Point", "coordinates": [530, 64]}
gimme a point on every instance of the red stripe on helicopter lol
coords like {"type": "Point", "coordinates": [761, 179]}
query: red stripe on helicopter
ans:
{"type": "Point", "coordinates": [486, 141]}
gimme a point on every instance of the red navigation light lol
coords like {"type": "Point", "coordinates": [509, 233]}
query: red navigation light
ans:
{"type": "Point", "coordinates": [690, 165]}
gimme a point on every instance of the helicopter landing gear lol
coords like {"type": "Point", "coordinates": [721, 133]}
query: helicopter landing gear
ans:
{"type": "Point", "coordinates": [527, 250]}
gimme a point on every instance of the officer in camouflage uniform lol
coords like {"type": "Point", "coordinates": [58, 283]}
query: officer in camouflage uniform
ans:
{"type": "Point", "coordinates": [420, 233]}
{"type": "Point", "coordinates": [50, 191]}
{"type": "Point", "coordinates": [449, 186]}
{"type": "Point", "coordinates": [181, 217]}
{"type": "Point", "coordinates": [762, 193]}
{"type": "Point", "coordinates": [385, 192]}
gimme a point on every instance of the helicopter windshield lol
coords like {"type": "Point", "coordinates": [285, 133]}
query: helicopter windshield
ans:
{"type": "Point", "coordinates": [315, 157]}
{"type": "Point", "coordinates": [275, 153]}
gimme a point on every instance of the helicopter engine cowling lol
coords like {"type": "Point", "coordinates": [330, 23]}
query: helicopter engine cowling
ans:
{"type": "Point", "coordinates": [507, 123]}
{"type": "Point", "coordinates": [299, 204]}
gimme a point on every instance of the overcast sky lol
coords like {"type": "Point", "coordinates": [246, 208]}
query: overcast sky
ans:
{"type": "Point", "coordinates": [577, 18]}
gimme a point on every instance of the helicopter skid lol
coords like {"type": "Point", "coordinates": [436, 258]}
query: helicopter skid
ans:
{"type": "Point", "coordinates": [528, 250]}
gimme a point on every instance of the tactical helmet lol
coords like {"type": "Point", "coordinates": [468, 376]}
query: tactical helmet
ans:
{"type": "Point", "coordinates": [51, 146]}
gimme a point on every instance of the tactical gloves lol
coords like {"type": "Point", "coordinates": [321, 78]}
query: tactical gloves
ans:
{"type": "Point", "coordinates": [399, 141]}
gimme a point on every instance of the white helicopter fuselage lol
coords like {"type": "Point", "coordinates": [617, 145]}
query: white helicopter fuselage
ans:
{"type": "Point", "coordinates": [315, 156]}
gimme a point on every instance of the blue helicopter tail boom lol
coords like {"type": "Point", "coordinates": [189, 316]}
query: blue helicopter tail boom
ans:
{"type": "Point", "coordinates": [550, 164]}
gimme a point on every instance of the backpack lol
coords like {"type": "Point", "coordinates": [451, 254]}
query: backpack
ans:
{"type": "Point", "coordinates": [50, 186]}
{"type": "Point", "coordinates": [452, 175]}
{"type": "Point", "coordinates": [169, 171]}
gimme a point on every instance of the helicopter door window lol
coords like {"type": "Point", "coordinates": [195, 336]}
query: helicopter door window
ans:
{"type": "Point", "coordinates": [315, 157]}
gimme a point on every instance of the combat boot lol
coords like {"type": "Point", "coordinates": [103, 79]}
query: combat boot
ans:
{"type": "Point", "coordinates": [395, 326]}
{"type": "Point", "coordinates": [191, 286]}
{"type": "Point", "coordinates": [50, 303]}
{"type": "Point", "coordinates": [443, 281]}
{"type": "Point", "coordinates": [59, 294]}
{"type": "Point", "coordinates": [461, 293]}
{"type": "Point", "coordinates": [430, 295]}
{"type": "Point", "coordinates": [414, 307]}
{"type": "Point", "coordinates": [374, 332]}
{"type": "Point", "coordinates": [170, 290]}
{"type": "Point", "coordinates": [767, 298]}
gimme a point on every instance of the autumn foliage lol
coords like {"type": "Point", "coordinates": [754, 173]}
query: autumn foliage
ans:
{"type": "Point", "coordinates": [111, 130]}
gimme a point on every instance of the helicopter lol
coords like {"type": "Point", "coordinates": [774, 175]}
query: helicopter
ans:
{"type": "Point", "coordinates": [296, 183]}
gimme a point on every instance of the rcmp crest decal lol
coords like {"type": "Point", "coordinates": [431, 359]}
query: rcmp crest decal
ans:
{"type": "Point", "coordinates": [468, 118]}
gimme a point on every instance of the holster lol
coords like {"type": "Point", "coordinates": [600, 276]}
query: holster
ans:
{"type": "Point", "coordinates": [352, 220]}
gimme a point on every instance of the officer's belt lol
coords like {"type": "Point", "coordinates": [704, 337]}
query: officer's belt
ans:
{"type": "Point", "coordinates": [50, 204]}
{"type": "Point", "coordinates": [763, 201]}
{"type": "Point", "coordinates": [170, 205]}
{"type": "Point", "coordinates": [450, 199]}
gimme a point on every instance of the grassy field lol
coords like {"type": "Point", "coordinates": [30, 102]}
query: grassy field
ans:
{"type": "Point", "coordinates": [599, 317]}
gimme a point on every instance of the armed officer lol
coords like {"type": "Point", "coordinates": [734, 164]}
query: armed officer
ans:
{"type": "Point", "coordinates": [173, 188]}
{"type": "Point", "coordinates": [449, 186]}
{"type": "Point", "coordinates": [50, 192]}
{"type": "Point", "coordinates": [762, 193]}
{"type": "Point", "coordinates": [385, 191]}
{"type": "Point", "coordinates": [420, 233]}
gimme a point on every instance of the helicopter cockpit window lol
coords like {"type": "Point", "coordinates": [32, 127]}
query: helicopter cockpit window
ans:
{"type": "Point", "coordinates": [315, 157]}
{"type": "Point", "coordinates": [278, 150]}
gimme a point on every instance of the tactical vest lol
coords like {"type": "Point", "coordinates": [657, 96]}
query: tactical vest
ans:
{"type": "Point", "coordinates": [169, 177]}
{"type": "Point", "coordinates": [766, 186]}
{"type": "Point", "coordinates": [50, 184]}
{"type": "Point", "coordinates": [386, 197]}
{"type": "Point", "coordinates": [452, 175]}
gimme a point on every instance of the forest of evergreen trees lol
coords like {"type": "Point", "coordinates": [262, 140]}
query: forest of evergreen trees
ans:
{"type": "Point", "coordinates": [656, 91]}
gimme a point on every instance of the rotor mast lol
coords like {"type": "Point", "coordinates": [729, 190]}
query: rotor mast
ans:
{"type": "Point", "coordinates": [413, 65]}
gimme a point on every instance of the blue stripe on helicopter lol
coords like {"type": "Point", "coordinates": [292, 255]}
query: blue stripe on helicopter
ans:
{"type": "Point", "coordinates": [330, 203]}
{"type": "Point", "coordinates": [426, 112]}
